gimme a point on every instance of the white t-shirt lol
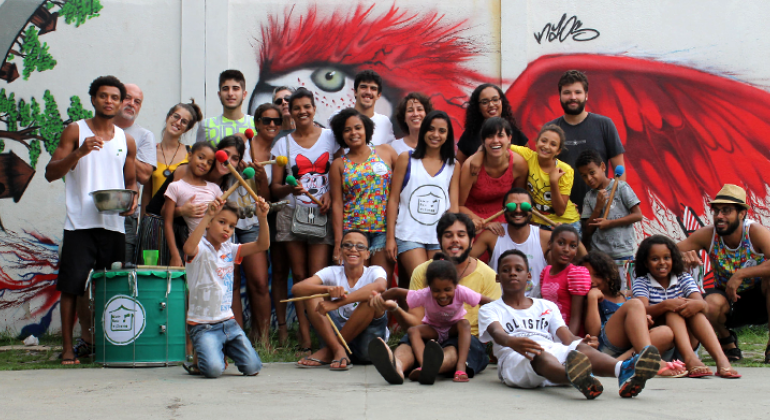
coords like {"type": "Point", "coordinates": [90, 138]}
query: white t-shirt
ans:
{"type": "Point", "coordinates": [310, 166]}
{"type": "Point", "coordinates": [400, 146]}
{"type": "Point", "coordinates": [383, 129]}
{"type": "Point", "coordinates": [539, 322]}
{"type": "Point", "coordinates": [335, 276]}
{"type": "Point", "coordinates": [210, 280]}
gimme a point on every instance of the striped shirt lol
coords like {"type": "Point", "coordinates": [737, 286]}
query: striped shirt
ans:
{"type": "Point", "coordinates": [680, 286]}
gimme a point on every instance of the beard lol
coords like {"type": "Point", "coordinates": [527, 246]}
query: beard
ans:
{"type": "Point", "coordinates": [570, 111]}
{"type": "Point", "coordinates": [126, 116]}
{"type": "Point", "coordinates": [518, 225]}
{"type": "Point", "coordinates": [460, 258]}
{"type": "Point", "coordinates": [732, 227]}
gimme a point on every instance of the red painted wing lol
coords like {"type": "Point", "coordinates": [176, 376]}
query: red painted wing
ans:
{"type": "Point", "coordinates": [686, 132]}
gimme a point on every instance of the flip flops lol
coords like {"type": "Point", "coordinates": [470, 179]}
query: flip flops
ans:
{"type": "Point", "coordinates": [728, 373]}
{"type": "Point", "coordinates": [384, 361]}
{"type": "Point", "coordinates": [461, 376]}
{"type": "Point", "coordinates": [700, 372]}
{"type": "Point", "coordinates": [432, 359]}
{"type": "Point", "coordinates": [347, 366]}
{"type": "Point", "coordinates": [321, 363]}
{"type": "Point", "coordinates": [70, 362]}
{"type": "Point", "coordinates": [673, 369]}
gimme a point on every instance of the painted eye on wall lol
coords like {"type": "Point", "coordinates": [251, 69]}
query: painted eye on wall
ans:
{"type": "Point", "coordinates": [329, 79]}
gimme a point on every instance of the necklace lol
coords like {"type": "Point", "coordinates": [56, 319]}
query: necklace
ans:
{"type": "Point", "coordinates": [466, 268]}
{"type": "Point", "coordinates": [167, 173]}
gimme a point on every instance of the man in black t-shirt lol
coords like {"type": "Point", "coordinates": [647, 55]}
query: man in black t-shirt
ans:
{"type": "Point", "coordinates": [584, 130]}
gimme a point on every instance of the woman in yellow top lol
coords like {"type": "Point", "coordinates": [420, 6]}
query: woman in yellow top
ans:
{"type": "Point", "coordinates": [549, 179]}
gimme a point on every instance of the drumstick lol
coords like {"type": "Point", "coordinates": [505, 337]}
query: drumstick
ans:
{"type": "Point", "coordinates": [248, 173]}
{"type": "Point", "coordinates": [338, 333]}
{"type": "Point", "coordinates": [508, 207]}
{"type": "Point", "coordinates": [528, 207]}
{"type": "Point", "coordinates": [280, 161]}
{"type": "Point", "coordinates": [296, 299]}
{"type": "Point", "coordinates": [293, 182]}
{"type": "Point", "coordinates": [619, 170]}
{"type": "Point", "coordinates": [222, 158]}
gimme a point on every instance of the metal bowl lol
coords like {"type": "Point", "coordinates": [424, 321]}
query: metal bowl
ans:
{"type": "Point", "coordinates": [113, 201]}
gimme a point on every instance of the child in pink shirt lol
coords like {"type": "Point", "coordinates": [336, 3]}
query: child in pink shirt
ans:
{"type": "Point", "coordinates": [443, 302]}
{"type": "Point", "coordinates": [563, 283]}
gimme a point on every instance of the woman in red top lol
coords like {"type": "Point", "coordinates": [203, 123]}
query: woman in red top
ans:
{"type": "Point", "coordinates": [483, 195]}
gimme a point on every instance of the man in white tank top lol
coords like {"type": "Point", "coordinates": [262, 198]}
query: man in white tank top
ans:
{"type": "Point", "coordinates": [93, 154]}
{"type": "Point", "coordinates": [529, 239]}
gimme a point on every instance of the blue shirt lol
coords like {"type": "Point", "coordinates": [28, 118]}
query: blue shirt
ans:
{"type": "Point", "coordinates": [680, 286]}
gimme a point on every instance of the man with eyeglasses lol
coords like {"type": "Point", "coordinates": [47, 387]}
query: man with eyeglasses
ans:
{"type": "Point", "coordinates": [737, 249]}
{"type": "Point", "coordinates": [145, 154]}
{"type": "Point", "coordinates": [585, 131]}
{"type": "Point", "coordinates": [232, 91]}
{"type": "Point", "coordinates": [367, 88]}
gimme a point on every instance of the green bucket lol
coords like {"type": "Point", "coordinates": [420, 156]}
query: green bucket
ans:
{"type": "Point", "coordinates": [139, 316]}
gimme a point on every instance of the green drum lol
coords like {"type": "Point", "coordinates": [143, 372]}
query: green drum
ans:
{"type": "Point", "coordinates": [139, 316]}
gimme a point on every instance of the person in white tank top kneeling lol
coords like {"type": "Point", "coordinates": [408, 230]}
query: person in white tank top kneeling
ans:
{"type": "Point", "coordinates": [94, 155]}
{"type": "Point", "coordinates": [521, 235]}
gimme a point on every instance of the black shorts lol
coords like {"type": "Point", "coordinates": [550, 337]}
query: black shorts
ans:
{"type": "Point", "coordinates": [86, 249]}
{"type": "Point", "coordinates": [750, 309]}
{"type": "Point", "coordinates": [477, 355]}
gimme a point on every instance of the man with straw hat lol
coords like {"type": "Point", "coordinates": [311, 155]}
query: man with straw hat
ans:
{"type": "Point", "coordinates": [736, 248]}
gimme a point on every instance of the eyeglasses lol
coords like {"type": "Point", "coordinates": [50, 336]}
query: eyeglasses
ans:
{"type": "Point", "coordinates": [727, 210]}
{"type": "Point", "coordinates": [280, 101]}
{"type": "Point", "coordinates": [268, 120]}
{"type": "Point", "coordinates": [177, 117]}
{"type": "Point", "coordinates": [486, 102]}
{"type": "Point", "coordinates": [358, 247]}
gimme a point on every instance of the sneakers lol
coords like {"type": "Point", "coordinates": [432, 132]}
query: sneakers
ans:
{"type": "Point", "coordinates": [635, 371]}
{"type": "Point", "coordinates": [578, 369]}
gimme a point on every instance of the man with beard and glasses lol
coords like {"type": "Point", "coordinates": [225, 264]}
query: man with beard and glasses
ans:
{"type": "Point", "coordinates": [367, 87]}
{"type": "Point", "coordinates": [145, 154]}
{"type": "Point", "coordinates": [455, 233]}
{"type": "Point", "coordinates": [232, 91]}
{"type": "Point", "coordinates": [736, 248]}
{"type": "Point", "coordinates": [584, 131]}
{"type": "Point", "coordinates": [521, 235]}
{"type": "Point", "coordinates": [94, 155]}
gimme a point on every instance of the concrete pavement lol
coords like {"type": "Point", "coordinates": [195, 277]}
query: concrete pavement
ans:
{"type": "Point", "coordinates": [282, 391]}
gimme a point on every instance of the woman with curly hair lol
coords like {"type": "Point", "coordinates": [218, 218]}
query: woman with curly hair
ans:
{"type": "Point", "coordinates": [409, 114]}
{"type": "Point", "coordinates": [486, 101]}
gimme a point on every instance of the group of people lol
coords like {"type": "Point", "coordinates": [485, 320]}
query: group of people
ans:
{"type": "Point", "coordinates": [353, 203]}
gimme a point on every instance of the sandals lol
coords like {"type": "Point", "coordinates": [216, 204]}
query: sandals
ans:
{"type": "Point", "coordinates": [734, 354]}
{"type": "Point", "coordinates": [70, 362]}
{"type": "Point", "coordinates": [461, 376]}
{"type": "Point", "coordinates": [321, 363]}
{"type": "Point", "coordinates": [432, 359]}
{"type": "Point", "coordinates": [384, 361]}
{"type": "Point", "coordinates": [728, 373]}
{"type": "Point", "coordinates": [673, 369]}
{"type": "Point", "coordinates": [700, 372]}
{"type": "Point", "coordinates": [191, 368]}
{"type": "Point", "coordinates": [84, 349]}
{"type": "Point", "coordinates": [347, 366]}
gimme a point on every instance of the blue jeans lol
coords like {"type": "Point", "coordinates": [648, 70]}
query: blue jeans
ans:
{"type": "Point", "coordinates": [360, 345]}
{"type": "Point", "coordinates": [212, 342]}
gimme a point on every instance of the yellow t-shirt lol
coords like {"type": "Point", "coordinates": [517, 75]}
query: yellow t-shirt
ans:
{"type": "Point", "coordinates": [481, 280]}
{"type": "Point", "coordinates": [539, 185]}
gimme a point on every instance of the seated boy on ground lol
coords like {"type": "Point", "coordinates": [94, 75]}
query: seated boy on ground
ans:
{"type": "Point", "coordinates": [535, 348]}
{"type": "Point", "coordinates": [211, 324]}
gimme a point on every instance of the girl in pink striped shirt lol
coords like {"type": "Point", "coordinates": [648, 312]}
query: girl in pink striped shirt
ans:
{"type": "Point", "coordinates": [563, 283]}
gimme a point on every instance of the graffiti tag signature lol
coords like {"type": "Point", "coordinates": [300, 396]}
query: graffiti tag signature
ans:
{"type": "Point", "coordinates": [566, 28]}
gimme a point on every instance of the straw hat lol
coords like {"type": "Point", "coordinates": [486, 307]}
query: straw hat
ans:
{"type": "Point", "coordinates": [731, 194]}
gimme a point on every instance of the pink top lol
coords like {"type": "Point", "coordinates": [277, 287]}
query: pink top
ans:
{"type": "Point", "coordinates": [443, 317]}
{"type": "Point", "coordinates": [486, 195]}
{"type": "Point", "coordinates": [559, 289]}
{"type": "Point", "coordinates": [181, 192]}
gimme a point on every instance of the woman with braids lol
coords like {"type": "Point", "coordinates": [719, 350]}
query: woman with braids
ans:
{"type": "Point", "coordinates": [486, 101]}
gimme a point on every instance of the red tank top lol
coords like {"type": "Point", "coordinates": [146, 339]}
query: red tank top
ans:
{"type": "Point", "coordinates": [486, 195]}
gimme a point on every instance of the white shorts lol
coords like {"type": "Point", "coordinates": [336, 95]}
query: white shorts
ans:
{"type": "Point", "coordinates": [515, 370]}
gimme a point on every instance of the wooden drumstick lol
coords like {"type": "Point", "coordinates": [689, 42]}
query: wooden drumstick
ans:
{"type": "Point", "coordinates": [619, 171]}
{"type": "Point", "coordinates": [508, 207]}
{"type": "Point", "coordinates": [280, 161]}
{"type": "Point", "coordinates": [293, 182]}
{"type": "Point", "coordinates": [222, 158]}
{"type": "Point", "coordinates": [296, 299]}
{"type": "Point", "coordinates": [248, 173]}
{"type": "Point", "coordinates": [344, 343]}
{"type": "Point", "coordinates": [540, 215]}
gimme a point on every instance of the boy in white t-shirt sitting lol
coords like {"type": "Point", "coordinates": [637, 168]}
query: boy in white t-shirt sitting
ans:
{"type": "Point", "coordinates": [210, 262]}
{"type": "Point", "coordinates": [349, 287]}
{"type": "Point", "coordinates": [535, 348]}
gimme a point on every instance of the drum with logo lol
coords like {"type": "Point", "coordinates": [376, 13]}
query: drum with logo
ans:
{"type": "Point", "coordinates": [139, 316]}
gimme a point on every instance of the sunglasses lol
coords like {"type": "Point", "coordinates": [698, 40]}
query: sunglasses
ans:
{"type": "Point", "coordinates": [280, 101]}
{"type": "Point", "coordinates": [268, 120]}
{"type": "Point", "coordinates": [358, 247]}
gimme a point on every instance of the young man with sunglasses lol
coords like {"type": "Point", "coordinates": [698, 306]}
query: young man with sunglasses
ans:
{"type": "Point", "coordinates": [232, 91]}
{"type": "Point", "coordinates": [349, 287]}
{"type": "Point", "coordinates": [737, 248]}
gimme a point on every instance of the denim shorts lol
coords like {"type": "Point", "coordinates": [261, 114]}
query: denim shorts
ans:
{"type": "Point", "coordinates": [245, 236]}
{"type": "Point", "coordinates": [404, 246]}
{"type": "Point", "coordinates": [376, 240]}
{"type": "Point", "coordinates": [608, 348]}
{"type": "Point", "coordinates": [378, 328]}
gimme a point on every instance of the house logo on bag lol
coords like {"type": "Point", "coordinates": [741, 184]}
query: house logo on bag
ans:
{"type": "Point", "coordinates": [428, 204]}
{"type": "Point", "coordinates": [123, 320]}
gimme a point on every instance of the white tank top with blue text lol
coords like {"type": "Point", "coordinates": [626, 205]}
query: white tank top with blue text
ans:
{"type": "Point", "coordinates": [532, 248]}
{"type": "Point", "coordinates": [424, 199]}
{"type": "Point", "coordinates": [99, 170]}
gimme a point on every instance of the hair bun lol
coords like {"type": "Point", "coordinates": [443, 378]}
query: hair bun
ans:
{"type": "Point", "coordinates": [440, 256]}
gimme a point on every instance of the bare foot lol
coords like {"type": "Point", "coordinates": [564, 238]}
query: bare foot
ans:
{"type": "Point", "coordinates": [283, 334]}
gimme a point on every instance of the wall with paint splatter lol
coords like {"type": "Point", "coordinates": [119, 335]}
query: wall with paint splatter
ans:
{"type": "Point", "coordinates": [685, 83]}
